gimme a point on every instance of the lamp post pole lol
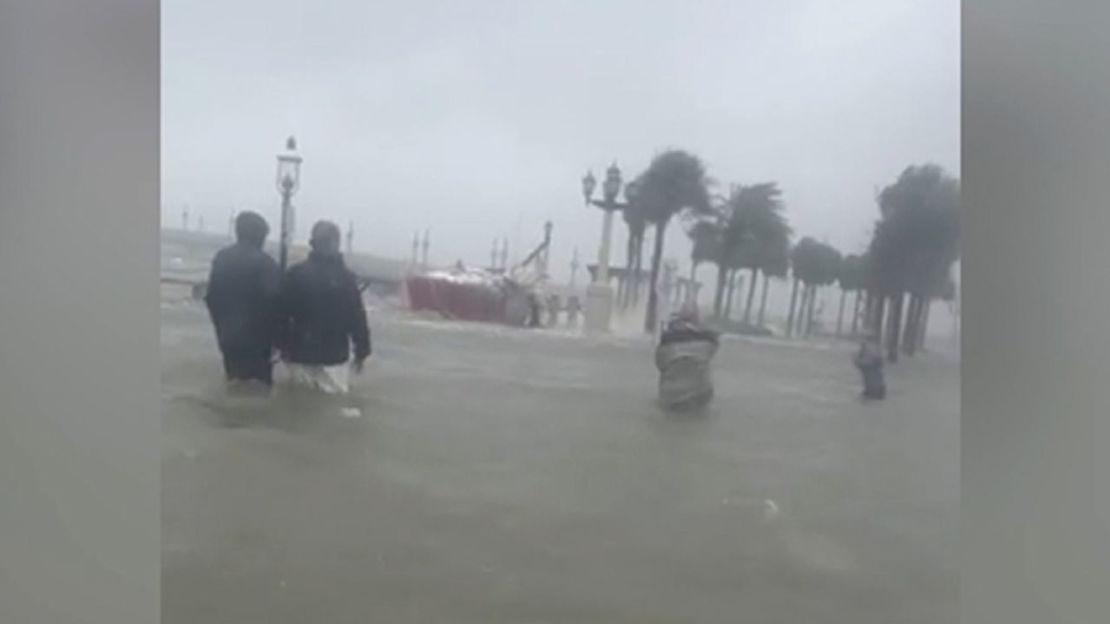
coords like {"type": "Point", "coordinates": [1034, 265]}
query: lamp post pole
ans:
{"type": "Point", "coordinates": [283, 251]}
{"type": "Point", "coordinates": [599, 295]}
{"type": "Point", "coordinates": [288, 181]}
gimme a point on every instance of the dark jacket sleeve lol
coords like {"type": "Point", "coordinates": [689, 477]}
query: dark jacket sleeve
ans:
{"type": "Point", "coordinates": [214, 296]}
{"type": "Point", "coordinates": [287, 301]}
{"type": "Point", "coordinates": [271, 286]}
{"type": "Point", "coordinates": [360, 330]}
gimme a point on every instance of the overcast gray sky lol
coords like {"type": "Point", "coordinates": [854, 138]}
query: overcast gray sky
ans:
{"type": "Point", "coordinates": [472, 117]}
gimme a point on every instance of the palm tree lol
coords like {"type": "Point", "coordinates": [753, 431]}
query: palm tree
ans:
{"type": "Point", "coordinates": [833, 260]}
{"type": "Point", "coordinates": [827, 268]}
{"type": "Point", "coordinates": [863, 290]}
{"type": "Point", "coordinates": [916, 241]}
{"type": "Point", "coordinates": [674, 183]}
{"type": "Point", "coordinates": [805, 262]}
{"type": "Point", "coordinates": [850, 280]}
{"type": "Point", "coordinates": [705, 234]}
{"type": "Point", "coordinates": [637, 224]}
{"type": "Point", "coordinates": [757, 210]}
{"type": "Point", "coordinates": [777, 266]}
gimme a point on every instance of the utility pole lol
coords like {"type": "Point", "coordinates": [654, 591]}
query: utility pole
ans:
{"type": "Point", "coordinates": [427, 243]}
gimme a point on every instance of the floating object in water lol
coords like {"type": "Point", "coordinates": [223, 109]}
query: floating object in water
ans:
{"type": "Point", "coordinates": [351, 412]}
{"type": "Point", "coordinates": [770, 510]}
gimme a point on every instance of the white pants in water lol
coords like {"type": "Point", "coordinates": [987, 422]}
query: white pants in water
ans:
{"type": "Point", "coordinates": [329, 379]}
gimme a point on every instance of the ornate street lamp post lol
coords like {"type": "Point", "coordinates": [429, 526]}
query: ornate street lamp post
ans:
{"type": "Point", "coordinates": [599, 295]}
{"type": "Point", "coordinates": [288, 182]}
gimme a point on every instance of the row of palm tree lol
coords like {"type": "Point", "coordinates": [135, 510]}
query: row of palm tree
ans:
{"type": "Point", "coordinates": [912, 250]}
{"type": "Point", "coordinates": [815, 265]}
{"type": "Point", "coordinates": [747, 231]}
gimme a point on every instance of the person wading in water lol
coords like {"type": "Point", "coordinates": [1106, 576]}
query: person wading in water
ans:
{"type": "Point", "coordinates": [869, 361]}
{"type": "Point", "coordinates": [325, 317]}
{"type": "Point", "coordinates": [241, 299]}
{"type": "Point", "coordinates": [683, 357]}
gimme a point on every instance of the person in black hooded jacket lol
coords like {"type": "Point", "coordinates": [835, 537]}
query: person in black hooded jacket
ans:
{"type": "Point", "coordinates": [325, 316]}
{"type": "Point", "coordinates": [241, 298]}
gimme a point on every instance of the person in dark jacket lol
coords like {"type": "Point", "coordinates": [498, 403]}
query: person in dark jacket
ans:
{"type": "Point", "coordinates": [869, 361]}
{"type": "Point", "coordinates": [241, 298]}
{"type": "Point", "coordinates": [325, 316]}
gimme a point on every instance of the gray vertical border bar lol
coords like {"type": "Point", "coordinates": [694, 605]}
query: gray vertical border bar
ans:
{"type": "Point", "coordinates": [1036, 365]}
{"type": "Point", "coordinates": [79, 426]}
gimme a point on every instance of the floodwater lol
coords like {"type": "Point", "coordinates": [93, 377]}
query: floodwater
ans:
{"type": "Point", "coordinates": [493, 475]}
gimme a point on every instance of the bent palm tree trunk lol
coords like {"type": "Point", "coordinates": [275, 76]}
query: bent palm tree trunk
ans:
{"type": "Point", "coordinates": [812, 309]}
{"type": "Point", "coordinates": [637, 280]}
{"type": "Point", "coordinates": [730, 294]}
{"type": "Point", "coordinates": [803, 308]}
{"type": "Point", "coordinates": [879, 317]}
{"type": "Point", "coordinates": [909, 334]}
{"type": "Point", "coordinates": [793, 303]}
{"type": "Point", "coordinates": [653, 292]}
{"type": "Point", "coordinates": [719, 297]}
{"type": "Point", "coordinates": [921, 331]}
{"type": "Point", "coordinates": [855, 316]}
{"type": "Point", "coordinates": [763, 299]}
{"type": "Point", "coordinates": [895, 325]}
{"type": "Point", "coordinates": [840, 313]}
{"type": "Point", "coordinates": [751, 297]}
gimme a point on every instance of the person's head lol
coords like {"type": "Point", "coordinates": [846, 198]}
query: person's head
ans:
{"type": "Point", "coordinates": [251, 228]}
{"type": "Point", "coordinates": [325, 238]}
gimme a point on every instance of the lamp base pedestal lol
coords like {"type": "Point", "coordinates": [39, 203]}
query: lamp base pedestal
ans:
{"type": "Point", "coordinates": [599, 308]}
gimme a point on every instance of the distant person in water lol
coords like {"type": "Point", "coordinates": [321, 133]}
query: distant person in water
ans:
{"type": "Point", "coordinates": [535, 310]}
{"type": "Point", "coordinates": [573, 309]}
{"type": "Point", "coordinates": [325, 320]}
{"type": "Point", "coordinates": [553, 308]}
{"type": "Point", "coordinates": [869, 361]}
{"type": "Point", "coordinates": [683, 357]}
{"type": "Point", "coordinates": [241, 299]}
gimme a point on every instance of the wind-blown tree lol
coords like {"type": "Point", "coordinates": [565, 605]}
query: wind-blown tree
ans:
{"type": "Point", "coordinates": [635, 221]}
{"type": "Point", "coordinates": [758, 210]}
{"type": "Point", "coordinates": [805, 266]}
{"type": "Point", "coordinates": [866, 293]}
{"type": "Point", "coordinates": [851, 281]}
{"type": "Point", "coordinates": [947, 293]}
{"type": "Point", "coordinates": [705, 235]}
{"type": "Point", "coordinates": [730, 246]}
{"type": "Point", "coordinates": [777, 266]}
{"type": "Point", "coordinates": [828, 261]}
{"type": "Point", "coordinates": [915, 243]}
{"type": "Point", "coordinates": [675, 182]}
